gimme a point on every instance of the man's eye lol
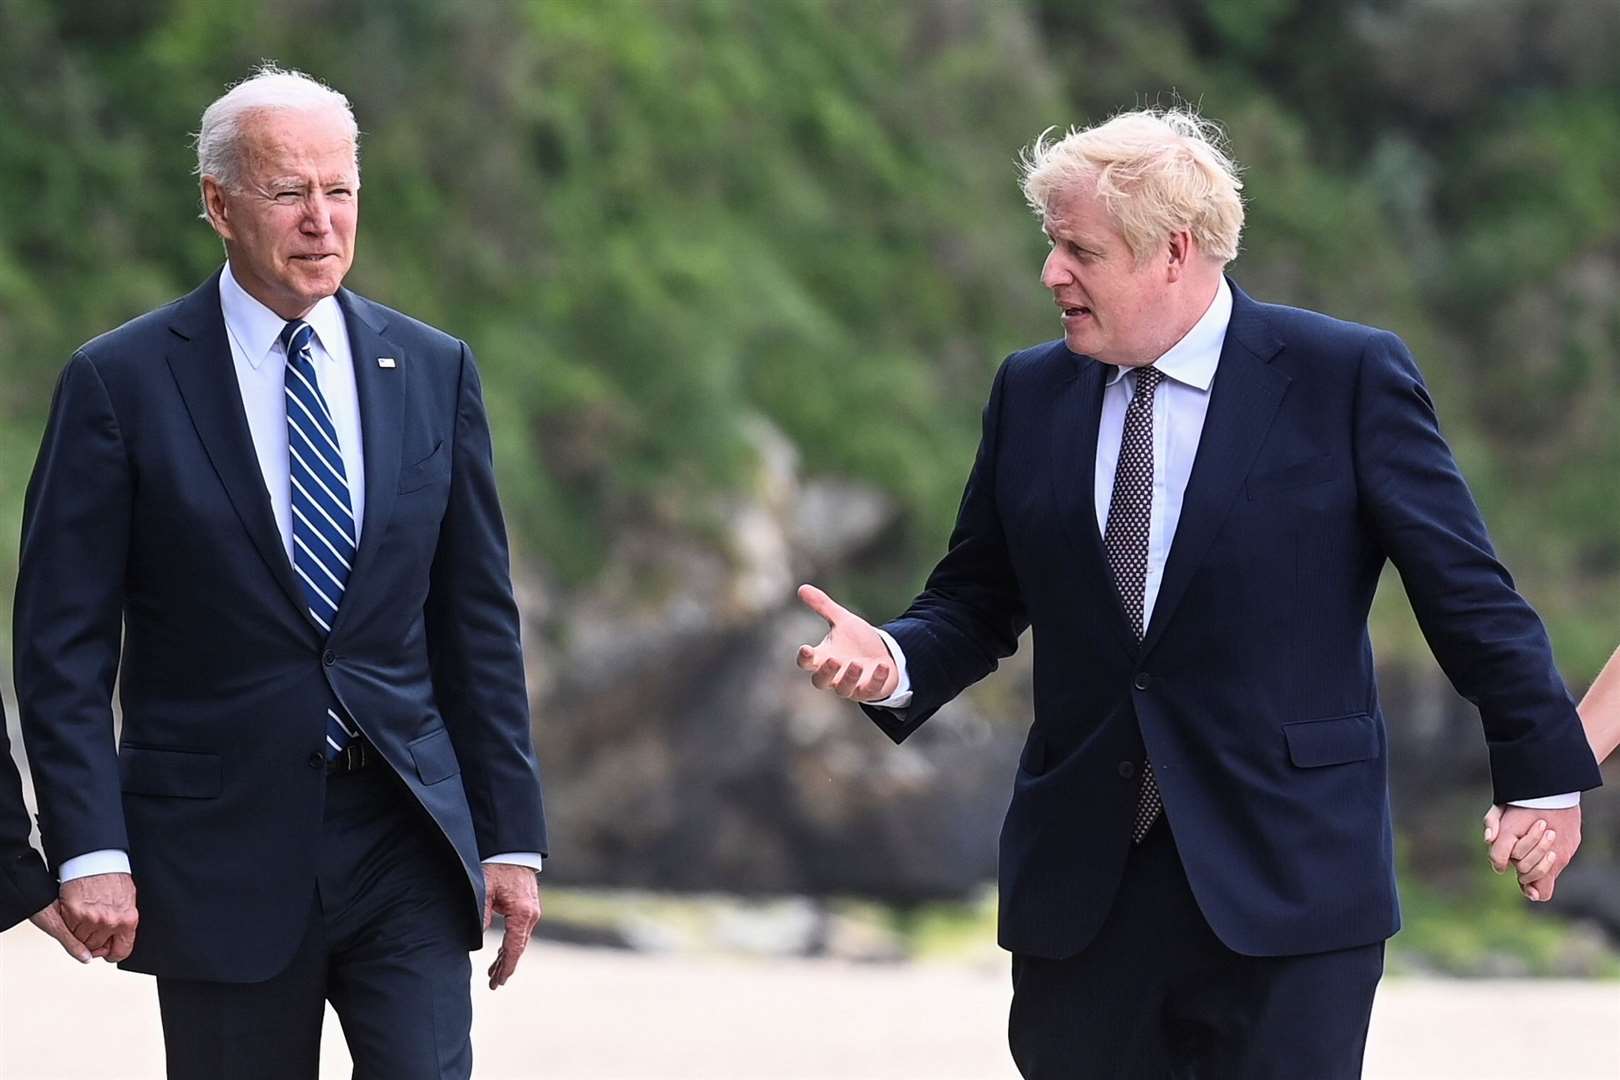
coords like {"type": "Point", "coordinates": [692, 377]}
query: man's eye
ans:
{"type": "Point", "coordinates": [288, 196]}
{"type": "Point", "coordinates": [339, 193]}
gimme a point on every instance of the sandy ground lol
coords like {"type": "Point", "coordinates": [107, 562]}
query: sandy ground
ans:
{"type": "Point", "coordinates": [590, 1014]}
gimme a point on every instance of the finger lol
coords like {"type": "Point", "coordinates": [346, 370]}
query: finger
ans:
{"type": "Point", "coordinates": [849, 680]}
{"type": "Point", "coordinates": [512, 947]}
{"type": "Point", "coordinates": [872, 689]}
{"type": "Point", "coordinates": [97, 937]}
{"type": "Point", "coordinates": [807, 659]}
{"type": "Point", "coordinates": [822, 604]}
{"type": "Point", "coordinates": [121, 945]}
{"type": "Point", "coordinates": [825, 674]}
{"type": "Point", "coordinates": [1529, 841]}
{"type": "Point", "coordinates": [54, 926]}
{"type": "Point", "coordinates": [1527, 861]}
{"type": "Point", "coordinates": [1501, 848]}
{"type": "Point", "coordinates": [1493, 820]}
{"type": "Point", "coordinates": [1542, 869]}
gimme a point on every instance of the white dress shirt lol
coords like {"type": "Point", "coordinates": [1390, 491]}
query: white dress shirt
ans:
{"type": "Point", "coordinates": [260, 360]}
{"type": "Point", "coordinates": [1179, 407]}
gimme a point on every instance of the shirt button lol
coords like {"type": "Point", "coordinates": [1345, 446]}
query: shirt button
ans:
{"type": "Point", "coordinates": [1127, 769]}
{"type": "Point", "coordinates": [1143, 680]}
{"type": "Point", "coordinates": [328, 657]}
{"type": "Point", "coordinates": [317, 760]}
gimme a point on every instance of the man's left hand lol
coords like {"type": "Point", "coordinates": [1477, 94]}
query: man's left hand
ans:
{"type": "Point", "coordinates": [514, 893]}
{"type": "Point", "coordinates": [1538, 852]}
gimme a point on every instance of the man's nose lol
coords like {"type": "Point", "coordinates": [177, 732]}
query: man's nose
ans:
{"type": "Point", "coordinates": [317, 215]}
{"type": "Point", "coordinates": [1055, 271]}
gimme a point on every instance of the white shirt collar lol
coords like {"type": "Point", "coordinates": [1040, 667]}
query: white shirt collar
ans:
{"type": "Point", "coordinates": [256, 328]}
{"type": "Point", "coordinates": [1193, 359]}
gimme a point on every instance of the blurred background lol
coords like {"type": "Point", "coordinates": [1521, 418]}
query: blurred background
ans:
{"type": "Point", "coordinates": [738, 273]}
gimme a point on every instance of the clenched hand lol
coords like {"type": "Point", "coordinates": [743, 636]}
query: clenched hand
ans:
{"type": "Point", "coordinates": [100, 911]}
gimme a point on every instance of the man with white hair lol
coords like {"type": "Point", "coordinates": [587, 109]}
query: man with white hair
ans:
{"type": "Point", "coordinates": [269, 510]}
{"type": "Point", "coordinates": [1189, 498]}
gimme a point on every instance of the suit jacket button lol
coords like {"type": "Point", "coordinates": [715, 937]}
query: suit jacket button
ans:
{"type": "Point", "coordinates": [328, 657]}
{"type": "Point", "coordinates": [317, 760]}
{"type": "Point", "coordinates": [1143, 680]}
{"type": "Point", "coordinates": [1127, 769]}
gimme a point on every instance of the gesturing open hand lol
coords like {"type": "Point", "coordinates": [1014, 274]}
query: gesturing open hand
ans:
{"type": "Point", "coordinates": [852, 661]}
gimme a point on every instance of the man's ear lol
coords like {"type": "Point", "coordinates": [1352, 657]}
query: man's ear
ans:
{"type": "Point", "coordinates": [213, 194]}
{"type": "Point", "coordinates": [1178, 254]}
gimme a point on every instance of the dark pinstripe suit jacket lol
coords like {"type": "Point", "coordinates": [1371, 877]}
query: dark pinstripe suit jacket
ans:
{"type": "Point", "coordinates": [1253, 687]}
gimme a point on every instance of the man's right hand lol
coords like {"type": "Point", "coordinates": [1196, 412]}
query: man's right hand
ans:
{"type": "Point", "coordinates": [852, 661]}
{"type": "Point", "coordinates": [100, 911]}
{"type": "Point", "coordinates": [49, 919]}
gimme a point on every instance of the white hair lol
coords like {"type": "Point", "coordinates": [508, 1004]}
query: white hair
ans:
{"type": "Point", "coordinates": [1159, 171]}
{"type": "Point", "coordinates": [219, 141]}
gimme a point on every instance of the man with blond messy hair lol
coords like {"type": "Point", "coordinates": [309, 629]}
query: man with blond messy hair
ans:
{"type": "Point", "coordinates": [1189, 499]}
{"type": "Point", "coordinates": [269, 510]}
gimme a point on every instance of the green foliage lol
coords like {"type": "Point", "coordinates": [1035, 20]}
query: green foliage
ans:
{"type": "Point", "coordinates": [1487, 928]}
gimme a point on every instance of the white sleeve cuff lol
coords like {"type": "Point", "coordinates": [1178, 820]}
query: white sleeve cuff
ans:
{"type": "Point", "coordinates": [531, 859]}
{"type": "Point", "coordinates": [1550, 802]}
{"type": "Point", "coordinates": [902, 689]}
{"type": "Point", "coordinates": [91, 863]}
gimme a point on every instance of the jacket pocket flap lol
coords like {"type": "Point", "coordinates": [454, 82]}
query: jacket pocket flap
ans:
{"type": "Point", "coordinates": [186, 774]}
{"type": "Point", "coordinates": [1335, 741]}
{"type": "Point", "coordinates": [435, 757]}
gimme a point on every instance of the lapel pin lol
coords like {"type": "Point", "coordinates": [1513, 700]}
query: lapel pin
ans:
{"type": "Point", "coordinates": [385, 361]}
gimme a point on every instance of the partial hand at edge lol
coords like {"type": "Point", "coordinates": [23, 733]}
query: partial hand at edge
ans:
{"type": "Point", "coordinates": [513, 892]}
{"type": "Point", "coordinates": [851, 661]}
{"type": "Point", "coordinates": [100, 911]}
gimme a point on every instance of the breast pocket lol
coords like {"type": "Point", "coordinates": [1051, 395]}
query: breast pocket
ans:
{"type": "Point", "coordinates": [425, 473]}
{"type": "Point", "coordinates": [1292, 477]}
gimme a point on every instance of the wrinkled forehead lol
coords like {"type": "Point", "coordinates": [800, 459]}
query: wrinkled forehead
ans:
{"type": "Point", "coordinates": [316, 144]}
{"type": "Point", "coordinates": [1077, 213]}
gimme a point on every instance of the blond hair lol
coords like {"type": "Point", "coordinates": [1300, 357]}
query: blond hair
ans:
{"type": "Point", "coordinates": [1159, 171]}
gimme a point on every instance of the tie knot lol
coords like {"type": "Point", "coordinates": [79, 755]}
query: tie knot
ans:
{"type": "Point", "coordinates": [295, 336]}
{"type": "Point", "coordinates": [1147, 381]}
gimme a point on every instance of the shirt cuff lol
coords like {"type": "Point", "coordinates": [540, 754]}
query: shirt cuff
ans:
{"type": "Point", "coordinates": [1550, 802]}
{"type": "Point", "coordinates": [91, 863]}
{"type": "Point", "coordinates": [902, 689]}
{"type": "Point", "coordinates": [531, 859]}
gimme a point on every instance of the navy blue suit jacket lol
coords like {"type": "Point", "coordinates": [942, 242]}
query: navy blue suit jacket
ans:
{"type": "Point", "coordinates": [147, 520]}
{"type": "Point", "coordinates": [1253, 688]}
{"type": "Point", "coordinates": [25, 884]}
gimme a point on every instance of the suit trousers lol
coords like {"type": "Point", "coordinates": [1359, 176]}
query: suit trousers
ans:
{"type": "Point", "coordinates": [1157, 996]}
{"type": "Point", "coordinates": [386, 945]}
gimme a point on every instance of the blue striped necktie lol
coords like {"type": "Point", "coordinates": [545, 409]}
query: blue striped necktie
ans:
{"type": "Point", "coordinates": [323, 531]}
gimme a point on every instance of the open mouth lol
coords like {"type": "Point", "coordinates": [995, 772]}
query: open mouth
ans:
{"type": "Point", "coordinates": [1077, 312]}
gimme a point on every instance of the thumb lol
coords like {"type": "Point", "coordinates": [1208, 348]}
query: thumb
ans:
{"type": "Point", "coordinates": [822, 604]}
{"type": "Point", "coordinates": [1493, 820]}
{"type": "Point", "coordinates": [49, 919]}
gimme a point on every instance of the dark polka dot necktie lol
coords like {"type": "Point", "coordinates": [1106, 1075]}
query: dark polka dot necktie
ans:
{"type": "Point", "coordinates": [1125, 540]}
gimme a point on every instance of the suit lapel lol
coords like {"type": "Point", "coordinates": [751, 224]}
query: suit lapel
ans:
{"type": "Point", "coordinates": [1077, 415]}
{"type": "Point", "coordinates": [1243, 402]}
{"type": "Point", "coordinates": [382, 404]}
{"type": "Point", "coordinates": [201, 364]}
